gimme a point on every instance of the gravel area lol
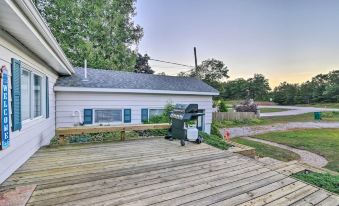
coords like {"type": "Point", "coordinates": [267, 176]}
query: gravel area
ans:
{"type": "Point", "coordinates": [305, 156]}
{"type": "Point", "coordinates": [294, 110]}
{"type": "Point", "coordinates": [254, 130]}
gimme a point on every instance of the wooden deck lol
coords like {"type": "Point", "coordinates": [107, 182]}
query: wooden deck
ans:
{"type": "Point", "coordinates": [157, 172]}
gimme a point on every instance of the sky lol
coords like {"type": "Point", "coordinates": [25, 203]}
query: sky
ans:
{"type": "Point", "coordinates": [285, 40]}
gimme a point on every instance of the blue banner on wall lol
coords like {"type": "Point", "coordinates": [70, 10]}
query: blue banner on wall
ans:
{"type": "Point", "coordinates": [4, 109]}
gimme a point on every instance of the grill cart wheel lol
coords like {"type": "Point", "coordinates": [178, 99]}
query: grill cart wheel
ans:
{"type": "Point", "coordinates": [182, 142]}
{"type": "Point", "coordinates": [199, 140]}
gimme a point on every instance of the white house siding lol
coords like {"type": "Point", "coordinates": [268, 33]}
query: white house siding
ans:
{"type": "Point", "coordinates": [68, 102]}
{"type": "Point", "coordinates": [34, 133]}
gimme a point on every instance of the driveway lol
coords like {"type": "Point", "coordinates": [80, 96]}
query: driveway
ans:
{"type": "Point", "coordinates": [294, 110]}
{"type": "Point", "coordinates": [261, 129]}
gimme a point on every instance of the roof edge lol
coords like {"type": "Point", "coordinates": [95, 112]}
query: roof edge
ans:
{"type": "Point", "coordinates": [136, 91]}
{"type": "Point", "coordinates": [31, 13]}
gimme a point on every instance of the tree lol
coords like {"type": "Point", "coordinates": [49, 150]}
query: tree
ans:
{"type": "Point", "coordinates": [211, 70]}
{"type": "Point", "coordinates": [100, 31]}
{"type": "Point", "coordinates": [142, 65]}
{"type": "Point", "coordinates": [234, 89]}
{"type": "Point", "coordinates": [331, 93]}
{"type": "Point", "coordinates": [222, 106]}
{"type": "Point", "coordinates": [305, 93]}
{"type": "Point", "coordinates": [285, 93]}
{"type": "Point", "coordinates": [258, 87]}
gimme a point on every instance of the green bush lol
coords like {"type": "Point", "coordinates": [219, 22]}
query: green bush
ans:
{"type": "Point", "coordinates": [214, 141]}
{"type": "Point", "coordinates": [325, 181]}
{"type": "Point", "coordinates": [164, 117]}
{"type": "Point", "coordinates": [153, 133]}
{"type": "Point", "coordinates": [158, 119]}
{"type": "Point", "coordinates": [215, 130]}
{"type": "Point", "coordinates": [222, 106]}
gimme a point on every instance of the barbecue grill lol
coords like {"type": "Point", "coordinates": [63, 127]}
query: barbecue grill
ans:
{"type": "Point", "coordinates": [180, 128]}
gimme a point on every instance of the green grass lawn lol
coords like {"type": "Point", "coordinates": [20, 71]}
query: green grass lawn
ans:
{"type": "Point", "coordinates": [264, 150]}
{"type": "Point", "coordinates": [308, 117]}
{"type": "Point", "coordinates": [325, 181]}
{"type": "Point", "coordinates": [321, 105]}
{"type": "Point", "coordinates": [268, 110]}
{"type": "Point", "coordinates": [324, 142]}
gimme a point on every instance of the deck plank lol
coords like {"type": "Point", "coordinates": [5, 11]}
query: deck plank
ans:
{"type": "Point", "coordinates": [160, 172]}
{"type": "Point", "coordinates": [165, 179]}
{"type": "Point", "coordinates": [190, 193]}
{"type": "Point", "coordinates": [312, 199]}
{"type": "Point", "coordinates": [332, 200]}
{"type": "Point", "coordinates": [294, 196]}
{"type": "Point", "coordinates": [255, 193]}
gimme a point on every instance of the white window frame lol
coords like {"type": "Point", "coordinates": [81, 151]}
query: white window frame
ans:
{"type": "Point", "coordinates": [108, 123]}
{"type": "Point", "coordinates": [33, 72]}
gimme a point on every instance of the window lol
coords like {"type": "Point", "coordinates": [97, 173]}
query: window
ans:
{"type": "Point", "coordinates": [31, 95]}
{"type": "Point", "coordinates": [25, 94]}
{"type": "Point", "coordinates": [155, 112]}
{"type": "Point", "coordinates": [107, 115]}
{"type": "Point", "coordinates": [37, 95]}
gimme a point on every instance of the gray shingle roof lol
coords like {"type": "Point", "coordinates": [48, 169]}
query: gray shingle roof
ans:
{"type": "Point", "coordinates": [98, 78]}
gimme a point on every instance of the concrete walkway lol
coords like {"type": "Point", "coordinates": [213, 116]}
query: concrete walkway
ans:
{"type": "Point", "coordinates": [294, 110]}
{"type": "Point", "coordinates": [254, 130]}
{"type": "Point", "coordinates": [305, 156]}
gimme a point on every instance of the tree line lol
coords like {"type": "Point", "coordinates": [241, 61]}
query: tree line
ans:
{"type": "Point", "coordinates": [322, 88]}
{"type": "Point", "coordinates": [103, 32]}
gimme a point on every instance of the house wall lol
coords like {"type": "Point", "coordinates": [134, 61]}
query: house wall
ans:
{"type": "Point", "coordinates": [36, 132]}
{"type": "Point", "coordinates": [67, 103]}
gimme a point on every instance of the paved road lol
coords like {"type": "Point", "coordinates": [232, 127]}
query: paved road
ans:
{"type": "Point", "coordinates": [254, 130]}
{"type": "Point", "coordinates": [294, 110]}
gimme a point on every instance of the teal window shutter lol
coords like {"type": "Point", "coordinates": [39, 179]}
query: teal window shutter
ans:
{"type": "Point", "coordinates": [144, 115]}
{"type": "Point", "coordinates": [88, 116]}
{"type": "Point", "coordinates": [47, 98]}
{"type": "Point", "coordinates": [16, 94]}
{"type": "Point", "coordinates": [127, 116]}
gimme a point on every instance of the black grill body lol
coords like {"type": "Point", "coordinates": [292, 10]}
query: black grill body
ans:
{"type": "Point", "coordinates": [181, 114]}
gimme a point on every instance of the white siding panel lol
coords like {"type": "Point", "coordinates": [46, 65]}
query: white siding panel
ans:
{"type": "Point", "coordinates": [68, 102]}
{"type": "Point", "coordinates": [34, 133]}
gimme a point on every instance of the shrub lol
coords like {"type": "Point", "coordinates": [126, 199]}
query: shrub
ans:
{"type": "Point", "coordinates": [215, 130]}
{"type": "Point", "coordinates": [214, 141]}
{"type": "Point", "coordinates": [164, 117]}
{"type": "Point", "coordinates": [222, 106]}
{"type": "Point", "coordinates": [325, 181]}
{"type": "Point", "coordinates": [153, 132]}
{"type": "Point", "coordinates": [109, 136]}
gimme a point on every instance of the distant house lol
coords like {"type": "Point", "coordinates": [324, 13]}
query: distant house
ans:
{"type": "Point", "coordinates": [45, 92]}
{"type": "Point", "coordinates": [115, 97]}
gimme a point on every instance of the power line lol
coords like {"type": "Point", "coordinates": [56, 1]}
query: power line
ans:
{"type": "Point", "coordinates": [175, 63]}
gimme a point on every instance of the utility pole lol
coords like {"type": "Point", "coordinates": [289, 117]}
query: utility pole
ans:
{"type": "Point", "coordinates": [195, 58]}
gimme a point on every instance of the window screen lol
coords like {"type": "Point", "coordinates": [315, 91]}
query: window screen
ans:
{"type": "Point", "coordinates": [155, 112]}
{"type": "Point", "coordinates": [37, 95]}
{"type": "Point", "coordinates": [25, 94]}
{"type": "Point", "coordinates": [108, 115]}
